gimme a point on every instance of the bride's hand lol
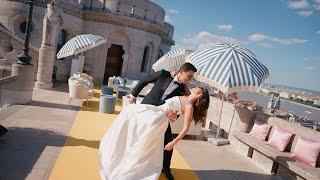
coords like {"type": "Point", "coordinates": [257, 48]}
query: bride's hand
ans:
{"type": "Point", "coordinates": [171, 115]}
{"type": "Point", "coordinates": [169, 146]}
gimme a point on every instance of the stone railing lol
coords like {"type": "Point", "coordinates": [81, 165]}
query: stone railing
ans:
{"type": "Point", "coordinates": [236, 118]}
{"type": "Point", "coordinates": [5, 71]}
{"type": "Point", "coordinates": [3, 82]}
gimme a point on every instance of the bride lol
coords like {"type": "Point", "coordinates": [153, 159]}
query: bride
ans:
{"type": "Point", "coordinates": [132, 149]}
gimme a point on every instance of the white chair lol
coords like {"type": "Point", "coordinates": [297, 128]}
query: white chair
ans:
{"type": "Point", "coordinates": [79, 89]}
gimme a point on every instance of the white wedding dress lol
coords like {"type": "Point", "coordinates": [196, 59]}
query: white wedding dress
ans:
{"type": "Point", "coordinates": [132, 148]}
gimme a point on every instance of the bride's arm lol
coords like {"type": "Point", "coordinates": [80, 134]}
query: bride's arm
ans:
{"type": "Point", "coordinates": [188, 114]}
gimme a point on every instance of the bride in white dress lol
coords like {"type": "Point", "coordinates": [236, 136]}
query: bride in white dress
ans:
{"type": "Point", "coordinates": [132, 149]}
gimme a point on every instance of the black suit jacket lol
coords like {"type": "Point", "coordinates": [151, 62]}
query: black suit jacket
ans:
{"type": "Point", "coordinates": [161, 80]}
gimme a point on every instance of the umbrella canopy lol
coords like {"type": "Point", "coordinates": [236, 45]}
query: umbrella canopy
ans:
{"type": "Point", "coordinates": [228, 67]}
{"type": "Point", "coordinates": [172, 60]}
{"type": "Point", "coordinates": [79, 44]}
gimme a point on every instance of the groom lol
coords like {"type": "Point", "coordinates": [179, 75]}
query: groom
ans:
{"type": "Point", "coordinates": [165, 87]}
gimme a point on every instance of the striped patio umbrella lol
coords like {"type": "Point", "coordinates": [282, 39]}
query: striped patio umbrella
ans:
{"type": "Point", "coordinates": [172, 60]}
{"type": "Point", "coordinates": [228, 68]}
{"type": "Point", "coordinates": [79, 44]}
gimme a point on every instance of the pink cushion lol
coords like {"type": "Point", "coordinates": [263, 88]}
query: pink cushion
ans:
{"type": "Point", "coordinates": [280, 139]}
{"type": "Point", "coordinates": [260, 130]}
{"type": "Point", "coordinates": [306, 151]}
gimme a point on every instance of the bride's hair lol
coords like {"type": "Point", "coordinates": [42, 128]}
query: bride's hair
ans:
{"type": "Point", "coordinates": [201, 106]}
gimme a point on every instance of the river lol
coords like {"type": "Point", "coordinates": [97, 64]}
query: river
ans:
{"type": "Point", "coordinates": [285, 105]}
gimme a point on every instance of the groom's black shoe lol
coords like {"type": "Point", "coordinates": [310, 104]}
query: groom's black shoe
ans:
{"type": "Point", "coordinates": [168, 173]}
{"type": "Point", "coordinates": [3, 130]}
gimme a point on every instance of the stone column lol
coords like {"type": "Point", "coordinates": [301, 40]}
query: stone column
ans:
{"type": "Point", "coordinates": [136, 55]}
{"type": "Point", "coordinates": [52, 24]}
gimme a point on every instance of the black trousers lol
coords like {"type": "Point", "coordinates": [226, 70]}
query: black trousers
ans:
{"type": "Point", "coordinates": [167, 154]}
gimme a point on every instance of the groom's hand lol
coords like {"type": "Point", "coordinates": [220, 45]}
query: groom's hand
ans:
{"type": "Point", "coordinates": [132, 100]}
{"type": "Point", "coordinates": [171, 115]}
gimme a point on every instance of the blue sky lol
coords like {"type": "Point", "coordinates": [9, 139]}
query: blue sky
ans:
{"type": "Point", "coordinates": [284, 35]}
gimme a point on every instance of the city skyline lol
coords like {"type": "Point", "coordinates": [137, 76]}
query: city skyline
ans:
{"type": "Point", "coordinates": [283, 34]}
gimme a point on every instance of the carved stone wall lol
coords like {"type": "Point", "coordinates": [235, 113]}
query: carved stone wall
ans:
{"type": "Point", "coordinates": [132, 31]}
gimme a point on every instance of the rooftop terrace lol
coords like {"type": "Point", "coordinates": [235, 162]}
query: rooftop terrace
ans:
{"type": "Point", "coordinates": [50, 139]}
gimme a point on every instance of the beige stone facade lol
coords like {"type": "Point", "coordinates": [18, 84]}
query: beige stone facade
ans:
{"type": "Point", "coordinates": [135, 30]}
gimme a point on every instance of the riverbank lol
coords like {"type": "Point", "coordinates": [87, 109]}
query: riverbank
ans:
{"type": "Point", "coordinates": [300, 104]}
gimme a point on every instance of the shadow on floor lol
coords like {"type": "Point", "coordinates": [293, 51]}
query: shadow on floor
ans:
{"type": "Point", "coordinates": [54, 105]}
{"type": "Point", "coordinates": [217, 174]}
{"type": "Point", "coordinates": [21, 148]}
{"type": "Point", "coordinates": [233, 174]}
{"type": "Point", "coordinates": [71, 141]}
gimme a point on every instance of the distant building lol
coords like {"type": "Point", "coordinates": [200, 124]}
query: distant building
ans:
{"type": "Point", "coordinates": [317, 102]}
{"type": "Point", "coordinates": [264, 90]}
{"type": "Point", "coordinates": [285, 95]}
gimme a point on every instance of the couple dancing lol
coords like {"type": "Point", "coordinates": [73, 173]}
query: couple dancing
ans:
{"type": "Point", "coordinates": [139, 144]}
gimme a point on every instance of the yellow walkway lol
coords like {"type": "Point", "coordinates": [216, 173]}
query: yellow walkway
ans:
{"type": "Point", "coordinates": [78, 158]}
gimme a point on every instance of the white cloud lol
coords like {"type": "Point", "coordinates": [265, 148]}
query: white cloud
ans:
{"type": "Point", "coordinates": [304, 8]}
{"type": "Point", "coordinates": [193, 42]}
{"type": "Point", "coordinates": [168, 19]}
{"type": "Point", "coordinates": [262, 37]}
{"type": "Point", "coordinates": [173, 11]}
{"type": "Point", "coordinates": [305, 13]}
{"type": "Point", "coordinates": [318, 32]}
{"type": "Point", "coordinates": [226, 27]}
{"type": "Point", "coordinates": [310, 68]}
{"type": "Point", "coordinates": [258, 37]}
{"type": "Point", "coordinates": [316, 7]}
{"type": "Point", "coordinates": [266, 45]}
{"type": "Point", "coordinates": [302, 4]}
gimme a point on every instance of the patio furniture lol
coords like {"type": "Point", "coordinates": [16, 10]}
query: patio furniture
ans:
{"type": "Point", "coordinates": [106, 90]}
{"type": "Point", "coordinates": [114, 82]}
{"type": "Point", "coordinates": [273, 160]}
{"type": "Point", "coordinates": [79, 89]}
{"type": "Point", "coordinates": [107, 104]}
{"type": "Point", "coordinates": [122, 92]}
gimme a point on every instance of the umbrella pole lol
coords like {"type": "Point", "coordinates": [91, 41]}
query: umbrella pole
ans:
{"type": "Point", "coordinates": [220, 114]}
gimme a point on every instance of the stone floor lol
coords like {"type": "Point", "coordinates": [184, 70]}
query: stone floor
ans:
{"type": "Point", "coordinates": [38, 131]}
{"type": "Point", "coordinates": [36, 134]}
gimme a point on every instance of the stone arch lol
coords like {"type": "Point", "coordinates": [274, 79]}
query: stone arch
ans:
{"type": "Point", "coordinates": [61, 39]}
{"type": "Point", "coordinates": [119, 37]}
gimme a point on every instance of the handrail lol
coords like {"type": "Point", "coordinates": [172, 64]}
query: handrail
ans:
{"type": "Point", "coordinates": [8, 79]}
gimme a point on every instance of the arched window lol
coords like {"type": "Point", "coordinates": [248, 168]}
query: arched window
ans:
{"type": "Point", "coordinates": [23, 27]}
{"type": "Point", "coordinates": [145, 60]}
{"type": "Point", "coordinates": [62, 38]}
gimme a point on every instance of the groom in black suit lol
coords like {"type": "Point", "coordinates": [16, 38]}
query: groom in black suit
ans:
{"type": "Point", "coordinates": [165, 86]}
